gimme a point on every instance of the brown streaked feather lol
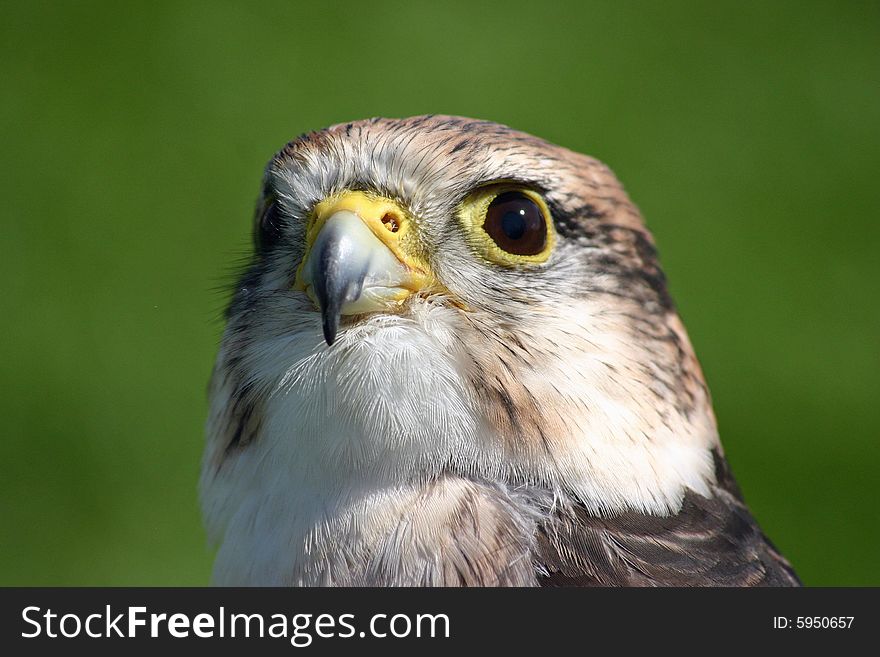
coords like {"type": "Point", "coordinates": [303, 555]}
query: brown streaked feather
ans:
{"type": "Point", "coordinates": [712, 541]}
{"type": "Point", "coordinates": [480, 541]}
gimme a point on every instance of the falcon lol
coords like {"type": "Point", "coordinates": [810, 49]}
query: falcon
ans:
{"type": "Point", "coordinates": [453, 361]}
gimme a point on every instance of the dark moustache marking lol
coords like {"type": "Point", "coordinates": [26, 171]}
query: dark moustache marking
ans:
{"type": "Point", "coordinates": [628, 255]}
{"type": "Point", "coordinates": [628, 262]}
{"type": "Point", "coordinates": [569, 222]}
{"type": "Point", "coordinates": [245, 420]}
{"type": "Point", "coordinates": [244, 415]}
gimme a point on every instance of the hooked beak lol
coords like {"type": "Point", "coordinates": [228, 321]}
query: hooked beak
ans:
{"type": "Point", "coordinates": [359, 258]}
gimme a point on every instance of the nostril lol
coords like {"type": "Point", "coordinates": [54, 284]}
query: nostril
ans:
{"type": "Point", "coordinates": [391, 222]}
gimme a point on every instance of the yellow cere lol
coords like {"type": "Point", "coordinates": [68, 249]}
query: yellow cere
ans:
{"type": "Point", "coordinates": [389, 222]}
{"type": "Point", "coordinates": [472, 215]}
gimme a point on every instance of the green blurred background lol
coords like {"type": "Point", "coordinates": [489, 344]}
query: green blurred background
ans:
{"type": "Point", "coordinates": [133, 141]}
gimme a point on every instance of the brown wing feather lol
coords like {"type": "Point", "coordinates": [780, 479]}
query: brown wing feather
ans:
{"type": "Point", "coordinates": [712, 541]}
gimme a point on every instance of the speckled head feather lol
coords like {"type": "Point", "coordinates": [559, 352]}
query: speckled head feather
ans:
{"type": "Point", "coordinates": [523, 386]}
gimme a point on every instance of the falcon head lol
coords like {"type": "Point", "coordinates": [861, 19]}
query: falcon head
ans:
{"type": "Point", "coordinates": [443, 295]}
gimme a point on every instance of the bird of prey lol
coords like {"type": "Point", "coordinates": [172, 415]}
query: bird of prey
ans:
{"type": "Point", "coordinates": [453, 361]}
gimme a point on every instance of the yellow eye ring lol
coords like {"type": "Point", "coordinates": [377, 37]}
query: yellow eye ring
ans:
{"type": "Point", "coordinates": [508, 225]}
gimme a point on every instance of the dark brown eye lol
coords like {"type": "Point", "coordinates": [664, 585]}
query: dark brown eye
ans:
{"type": "Point", "coordinates": [516, 224]}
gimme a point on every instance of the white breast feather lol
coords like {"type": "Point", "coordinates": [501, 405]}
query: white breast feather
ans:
{"type": "Point", "coordinates": [350, 431]}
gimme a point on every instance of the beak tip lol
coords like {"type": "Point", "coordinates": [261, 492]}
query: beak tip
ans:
{"type": "Point", "coordinates": [330, 326]}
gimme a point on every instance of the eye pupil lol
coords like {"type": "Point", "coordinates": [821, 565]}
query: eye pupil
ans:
{"type": "Point", "coordinates": [516, 223]}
